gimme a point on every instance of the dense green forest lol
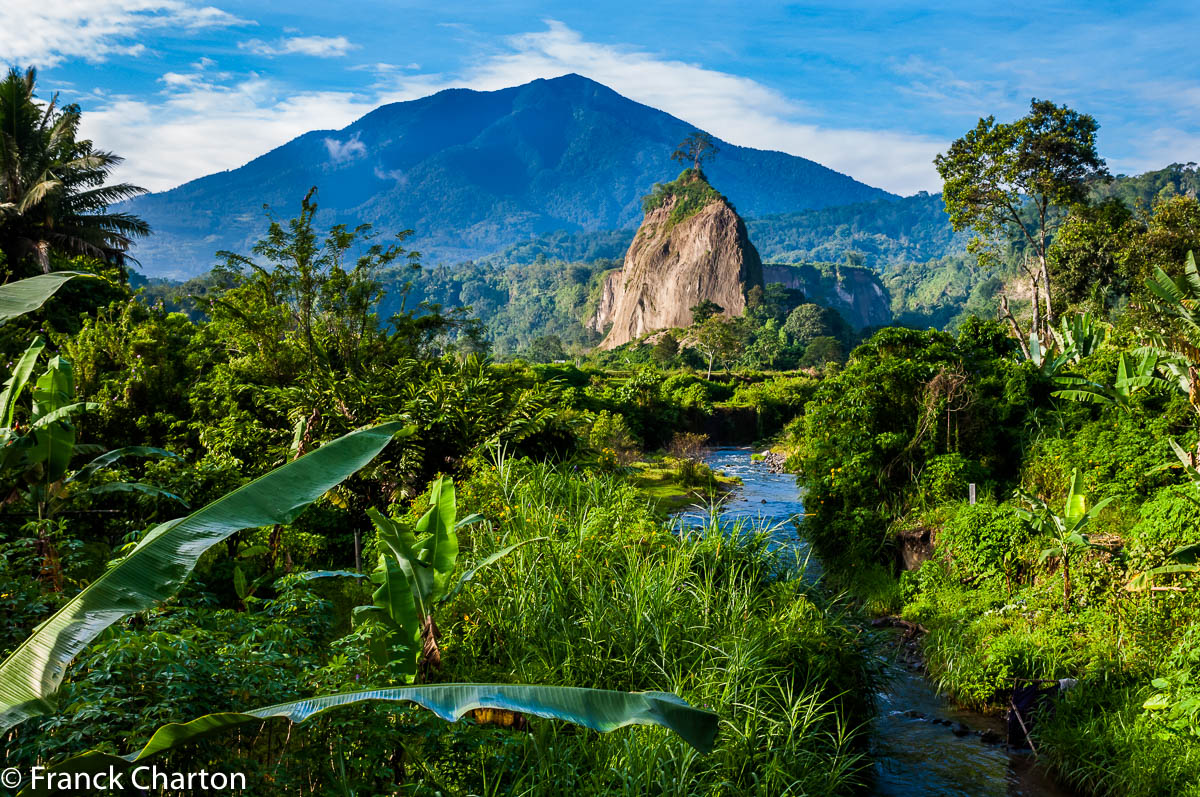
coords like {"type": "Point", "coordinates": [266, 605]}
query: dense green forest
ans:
{"type": "Point", "coordinates": [294, 519]}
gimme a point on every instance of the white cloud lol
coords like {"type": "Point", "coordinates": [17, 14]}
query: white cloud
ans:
{"type": "Point", "coordinates": [201, 126]}
{"type": "Point", "coordinates": [317, 46]}
{"type": "Point", "coordinates": [1158, 148]}
{"type": "Point", "coordinates": [46, 32]}
{"type": "Point", "coordinates": [206, 122]}
{"type": "Point", "coordinates": [345, 151]}
{"type": "Point", "coordinates": [395, 175]}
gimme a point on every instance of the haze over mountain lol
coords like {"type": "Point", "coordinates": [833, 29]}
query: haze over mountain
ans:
{"type": "Point", "coordinates": [471, 172]}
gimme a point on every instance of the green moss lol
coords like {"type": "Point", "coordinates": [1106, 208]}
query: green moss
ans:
{"type": "Point", "coordinates": [691, 192]}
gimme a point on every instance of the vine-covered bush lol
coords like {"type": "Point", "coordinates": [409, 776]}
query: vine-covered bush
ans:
{"type": "Point", "coordinates": [984, 540]}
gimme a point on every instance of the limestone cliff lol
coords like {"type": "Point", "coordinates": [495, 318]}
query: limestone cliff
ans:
{"type": "Point", "coordinates": [854, 291]}
{"type": "Point", "coordinates": [692, 246]}
{"type": "Point", "coordinates": [607, 303]}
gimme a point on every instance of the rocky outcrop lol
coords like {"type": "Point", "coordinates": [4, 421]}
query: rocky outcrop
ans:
{"type": "Point", "coordinates": [853, 291]}
{"type": "Point", "coordinates": [607, 304]}
{"type": "Point", "coordinates": [692, 247]}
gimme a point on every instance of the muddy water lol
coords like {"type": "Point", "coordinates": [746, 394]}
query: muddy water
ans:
{"type": "Point", "coordinates": [913, 754]}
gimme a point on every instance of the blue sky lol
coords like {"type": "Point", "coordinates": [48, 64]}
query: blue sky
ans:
{"type": "Point", "coordinates": [183, 88]}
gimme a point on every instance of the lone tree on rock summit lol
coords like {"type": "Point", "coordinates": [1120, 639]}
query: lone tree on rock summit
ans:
{"type": "Point", "coordinates": [696, 148]}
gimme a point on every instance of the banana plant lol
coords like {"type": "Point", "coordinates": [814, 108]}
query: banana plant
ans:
{"type": "Point", "coordinates": [414, 577]}
{"type": "Point", "coordinates": [161, 561]}
{"type": "Point", "coordinates": [27, 295]}
{"type": "Point", "coordinates": [1066, 529]}
{"type": "Point", "coordinates": [1080, 335]}
{"type": "Point", "coordinates": [600, 710]}
{"type": "Point", "coordinates": [1179, 297]}
{"type": "Point", "coordinates": [1184, 559]}
{"type": "Point", "coordinates": [1077, 337]}
{"type": "Point", "coordinates": [39, 443]}
{"type": "Point", "coordinates": [1136, 371]}
{"type": "Point", "coordinates": [41, 446]}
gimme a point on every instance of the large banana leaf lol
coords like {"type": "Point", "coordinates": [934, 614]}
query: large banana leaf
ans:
{"type": "Point", "coordinates": [1075, 507]}
{"type": "Point", "coordinates": [599, 709]}
{"type": "Point", "coordinates": [27, 295]}
{"type": "Point", "coordinates": [158, 565]}
{"type": "Point", "coordinates": [16, 382]}
{"type": "Point", "coordinates": [442, 543]}
{"type": "Point", "coordinates": [397, 614]}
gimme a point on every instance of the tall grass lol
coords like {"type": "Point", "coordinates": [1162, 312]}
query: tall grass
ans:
{"type": "Point", "coordinates": [1101, 744]}
{"type": "Point", "coordinates": [614, 599]}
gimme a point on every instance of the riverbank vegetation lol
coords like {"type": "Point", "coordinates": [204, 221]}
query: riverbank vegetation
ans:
{"type": "Point", "coordinates": [1077, 559]}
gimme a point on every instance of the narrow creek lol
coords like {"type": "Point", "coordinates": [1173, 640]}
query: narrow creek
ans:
{"type": "Point", "coordinates": [912, 754]}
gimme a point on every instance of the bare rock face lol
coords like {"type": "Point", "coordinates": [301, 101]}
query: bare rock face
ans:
{"type": "Point", "coordinates": [687, 250]}
{"type": "Point", "coordinates": [608, 301]}
{"type": "Point", "coordinates": [853, 291]}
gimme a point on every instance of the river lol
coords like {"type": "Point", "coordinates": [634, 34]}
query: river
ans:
{"type": "Point", "coordinates": [912, 754]}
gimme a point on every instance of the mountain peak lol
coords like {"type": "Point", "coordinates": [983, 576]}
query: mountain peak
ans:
{"type": "Point", "coordinates": [472, 172]}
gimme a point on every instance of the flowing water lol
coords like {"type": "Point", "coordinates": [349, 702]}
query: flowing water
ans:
{"type": "Point", "coordinates": [913, 755]}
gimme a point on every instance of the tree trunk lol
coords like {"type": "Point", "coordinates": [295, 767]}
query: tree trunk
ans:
{"type": "Point", "coordinates": [1045, 275]}
{"type": "Point", "coordinates": [1066, 582]}
{"type": "Point", "coordinates": [42, 254]}
{"type": "Point", "coordinates": [1006, 313]}
{"type": "Point", "coordinates": [1036, 324]}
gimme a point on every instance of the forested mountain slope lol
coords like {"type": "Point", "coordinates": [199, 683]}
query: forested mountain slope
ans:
{"type": "Point", "coordinates": [471, 172]}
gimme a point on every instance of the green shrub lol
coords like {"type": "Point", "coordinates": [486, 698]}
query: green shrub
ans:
{"type": "Point", "coordinates": [984, 540]}
{"type": "Point", "coordinates": [946, 478]}
{"type": "Point", "coordinates": [690, 192]}
{"type": "Point", "coordinates": [1168, 519]}
{"type": "Point", "coordinates": [611, 437]}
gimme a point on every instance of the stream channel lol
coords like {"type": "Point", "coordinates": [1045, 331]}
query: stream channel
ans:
{"type": "Point", "coordinates": [912, 754]}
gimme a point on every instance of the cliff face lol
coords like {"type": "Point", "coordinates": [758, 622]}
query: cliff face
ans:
{"type": "Point", "coordinates": [692, 246]}
{"type": "Point", "coordinates": [608, 301]}
{"type": "Point", "coordinates": [854, 291]}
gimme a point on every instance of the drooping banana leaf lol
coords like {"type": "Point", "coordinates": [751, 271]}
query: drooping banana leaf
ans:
{"type": "Point", "coordinates": [135, 487]}
{"type": "Point", "coordinates": [1144, 580]}
{"type": "Point", "coordinates": [111, 457]}
{"type": "Point", "coordinates": [15, 384]}
{"type": "Point", "coordinates": [27, 295]}
{"type": "Point", "coordinates": [160, 562]}
{"type": "Point", "coordinates": [598, 709]}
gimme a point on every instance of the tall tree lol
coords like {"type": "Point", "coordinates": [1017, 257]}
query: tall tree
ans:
{"type": "Point", "coordinates": [695, 149]}
{"type": "Point", "coordinates": [1014, 179]}
{"type": "Point", "coordinates": [54, 194]}
{"type": "Point", "coordinates": [323, 290]}
{"type": "Point", "coordinates": [717, 338]}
